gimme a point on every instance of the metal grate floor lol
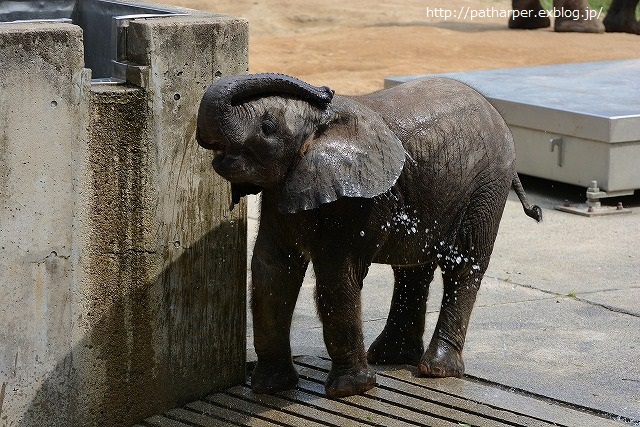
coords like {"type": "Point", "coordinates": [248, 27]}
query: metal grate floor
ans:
{"type": "Point", "coordinates": [400, 399]}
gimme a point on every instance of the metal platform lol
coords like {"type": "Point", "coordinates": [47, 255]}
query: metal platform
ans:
{"type": "Point", "coordinates": [572, 123]}
{"type": "Point", "coordinates": [400, 399]}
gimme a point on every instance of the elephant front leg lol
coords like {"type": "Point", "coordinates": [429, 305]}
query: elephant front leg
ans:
{"type": "Point", "coordinates": [339, 306]}
{"type": "Point", "coordinates": [401, 340]}
{"type": "Point", "coordinates": [276, 282]}
{"type": "Point", "coordinates": [443, 357]}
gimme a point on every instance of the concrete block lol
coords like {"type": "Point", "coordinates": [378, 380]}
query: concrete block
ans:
{"type": "Point", "coordinates": [122, 268]}
{"type": "Point", "coordinates": [42, 112]}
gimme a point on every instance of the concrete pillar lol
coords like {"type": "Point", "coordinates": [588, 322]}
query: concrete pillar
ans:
{"type": "Point", "coordinates": [43, 109]}
{"type": "Point", "coordinates": [122, 269]}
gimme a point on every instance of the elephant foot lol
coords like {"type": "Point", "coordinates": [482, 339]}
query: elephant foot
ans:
{"type": "Point", "coordinates": [618, 23]}
{"type": "Point", "coordinates": [393, 350]}
{"type": "Point", "coordinates": [568, 25]}
{"type": "Point", "coordinates": [441, 361]}
{"type": "Point", "coordinates": [272, 377]}
{"type": "Point", "coordinates": [341, 384]}
{"type": "Point", "coordinates": [529, 23]}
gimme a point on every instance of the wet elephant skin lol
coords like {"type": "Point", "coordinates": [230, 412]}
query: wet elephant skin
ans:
{"type": "Point", "coordinates": [415, 176]}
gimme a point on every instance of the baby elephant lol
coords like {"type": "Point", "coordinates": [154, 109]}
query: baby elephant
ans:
{"type": "Point", "coordinates": [415, 176]}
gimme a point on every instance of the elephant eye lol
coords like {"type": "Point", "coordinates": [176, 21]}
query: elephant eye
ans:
{"type": "Point", "coordinates": [268, 127]}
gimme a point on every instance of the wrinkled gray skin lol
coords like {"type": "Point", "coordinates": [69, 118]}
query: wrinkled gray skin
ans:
{"type": "Point", "coordinates": [415, 176]}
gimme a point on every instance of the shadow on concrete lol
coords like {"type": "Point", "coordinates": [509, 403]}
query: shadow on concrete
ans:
{"type": "Point", "coordinates": [157, 343]}
{"type": "Point", "coordinates": [552, 193]}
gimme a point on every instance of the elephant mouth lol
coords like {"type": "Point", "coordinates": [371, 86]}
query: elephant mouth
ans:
{"type": "Point", "coordinates": [224, 163]}
{"type": "Point", "coordinates": [219, 151]}
{"type": "Point", "coordinates": [218, 148]}
{"type": "Point", "coordinates": [219, 154]}
{"type": "Point", "coordinates": [221, 162]}
{"type": "Point", "coordinates": [216, 145]}
{"type": "Point", "coordinates": [230, 167]}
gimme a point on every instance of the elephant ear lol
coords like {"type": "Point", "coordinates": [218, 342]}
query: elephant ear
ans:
{"type": "Point", "coordinates": [354, 154]}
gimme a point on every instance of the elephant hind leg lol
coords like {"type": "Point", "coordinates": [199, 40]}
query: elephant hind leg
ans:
{"type": "Point", "coordinates": [401, 340]}
{"type": "Point", "coordinates": [461, 278]}
{"type": "Point", "coordinates": [463, 265]}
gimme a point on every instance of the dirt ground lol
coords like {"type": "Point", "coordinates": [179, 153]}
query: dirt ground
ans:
{"type": "Point", "coordinates": [352, 45]}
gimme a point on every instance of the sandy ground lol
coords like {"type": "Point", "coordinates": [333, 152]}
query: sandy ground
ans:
{"type": "Point", "coordinates": [352, 45]}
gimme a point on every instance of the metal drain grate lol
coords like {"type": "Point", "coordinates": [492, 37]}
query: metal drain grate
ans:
{"type": "Point", "coordinates": [400, 399]}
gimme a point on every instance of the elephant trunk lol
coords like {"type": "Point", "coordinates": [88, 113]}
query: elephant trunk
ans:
{"type": "Point", "coordinates": [217, 102]}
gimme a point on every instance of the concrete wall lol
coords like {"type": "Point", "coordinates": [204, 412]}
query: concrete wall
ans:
{"type": "Point", "coordinates": [122, 270]}
{"type": "Point", "coordinates": [43, 110]}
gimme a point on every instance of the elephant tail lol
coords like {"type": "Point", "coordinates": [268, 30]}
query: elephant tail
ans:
{"type": "Point", "coordinates": [532, 211]}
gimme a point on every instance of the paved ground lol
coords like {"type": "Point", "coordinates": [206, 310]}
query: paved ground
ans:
{"type": "Point", "coordinates": [558, 314]}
